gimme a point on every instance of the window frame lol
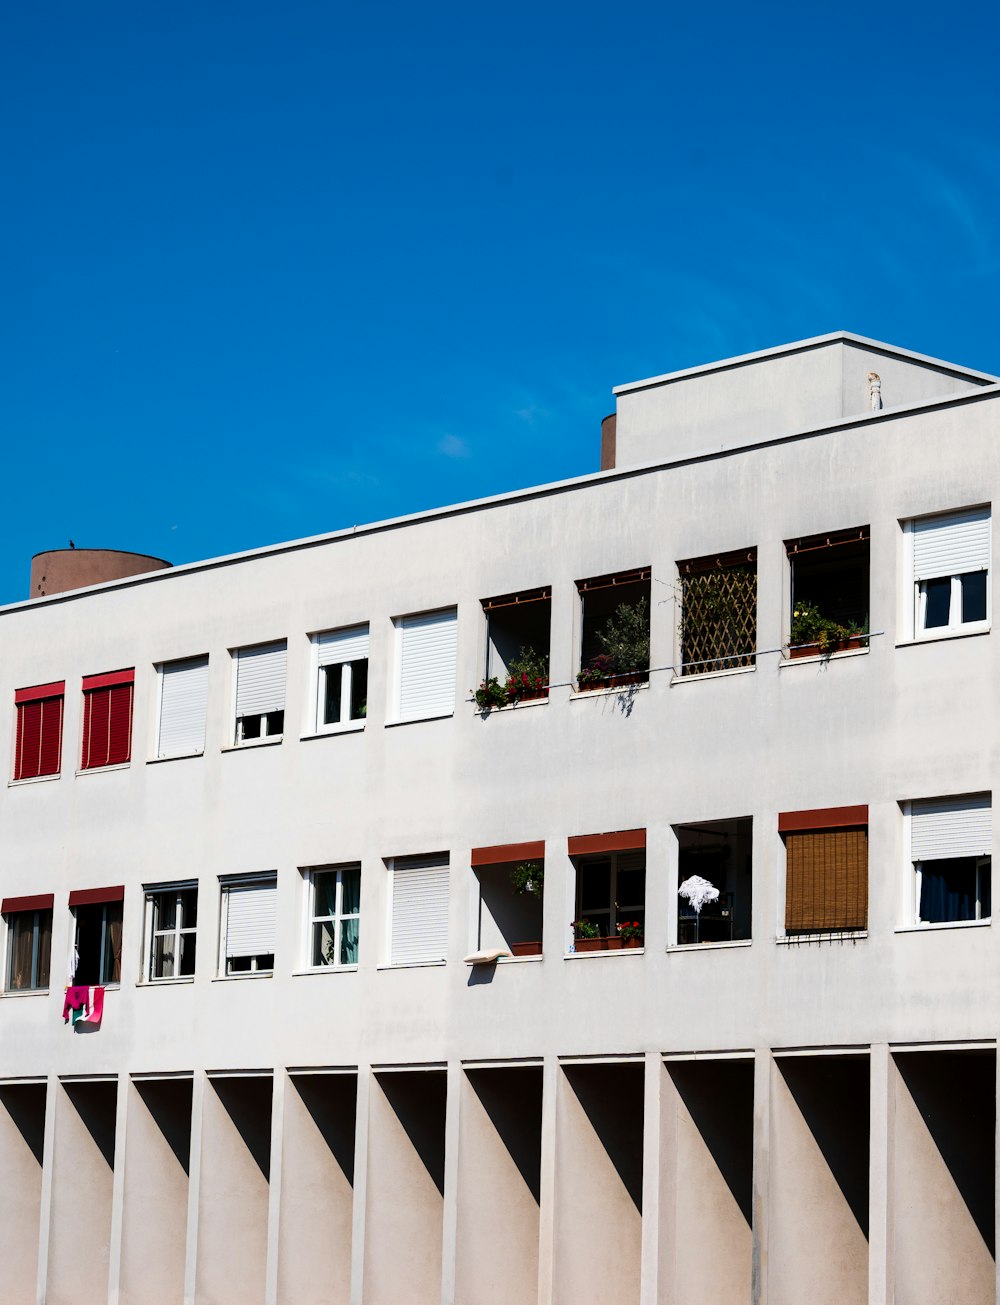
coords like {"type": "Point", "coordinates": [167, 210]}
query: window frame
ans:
{"type": "Point", "coordinates": [312, 917]}
{"type": "Point", "coordinates": [916, 592]}
{"type": "Point", "coordinates": [237, 882]}
{"type": "Point", "coordinates": [238, 738]}
{"type": "Point", "coordinates": [151, 933]}
{"type": "Point", "coordinates": [103, 981]}
{"type": "Point", "coordinates": [616, 912]}
{"type": "Point", "coordinates": [820, 821]}
{"type": "Point", "coordinates": [90, 687]}
{"type": "Point", "coordinates": [53, 692]}
{"type": "Point", "coordinates": [318, 678]}
{"type": "Point", "coordinates": [36, 913]}
{"type": "Point", "coordinates": [914, 879]}
{"type": "Point", "coordinates": [160, 667]}
{"type": "Point", "coordinates": [396, 716]}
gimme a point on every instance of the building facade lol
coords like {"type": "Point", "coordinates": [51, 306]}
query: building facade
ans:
{"type": "Point", "coordinates": [664, 975]}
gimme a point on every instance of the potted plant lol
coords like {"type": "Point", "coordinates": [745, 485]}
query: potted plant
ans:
{"type": "Point", "coordinates": [630, 932]}
{"type": "Point", "coordinates": [625, 659]}
{"type": "Point", "coordinates": [527, 677]}
{"type": "Point", "coordinates": [814, 634]}
{"type": "Point", "coordinates": [491, 693]}
{"type": "Point", "coordinates": [528, 877]}
{"type": "Point", "coordinates": [588, 936]}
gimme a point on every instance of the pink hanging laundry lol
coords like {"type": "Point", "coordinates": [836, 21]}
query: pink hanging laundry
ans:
{"type": "Point", "coordinates": [96, 1007]}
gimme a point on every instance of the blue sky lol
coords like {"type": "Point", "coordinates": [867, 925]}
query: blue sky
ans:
{"type": "Point", "coordinates": [273, 270]}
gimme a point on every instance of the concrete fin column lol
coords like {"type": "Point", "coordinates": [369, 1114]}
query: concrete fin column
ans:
{"type": "Point", "coordinates": [707, 1166]}
{"type": "Point", "coordinates": [599, 1138]}
{"type": "Point", "coordinates": [943, 1161]}
{"type": "Point", "coordinates": [317, 1189]}
{"type": "Point", "coordinates": [154, 1216]}
{"type": "Point", "coordinates": [82, 1192]}
{"type": "Point", "coordinates": [499, 1172]}
{"type": "Point", "coordinates": [22, 1140]}
{"type": "Point", "coordinates": [405, 1190]}
{"type": "Point", "coordinates": [819, 1172]}
{"type": "Point", "coordinates": [233, 1193]}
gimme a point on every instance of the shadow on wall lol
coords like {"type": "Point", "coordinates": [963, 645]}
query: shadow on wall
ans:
{"type": "Point", "coordinates": [513, 1100]}
{"type": "Point", "coordinates": [612, 1098]}
{"type": "Point", "coordinates": [719, 1098]}
{"type": "Point", "coordinates": [419, 1100]}
{"type": "Point", "coordinates": [247, 1102]}
{"type": "Point", "coordinates": [25, 1103]}
{"type": "Point", "coordinates": [96, 1104]}
{"type": "Point", "coordinates": [332, 1101]}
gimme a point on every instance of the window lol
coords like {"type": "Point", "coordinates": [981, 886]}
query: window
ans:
{"type": "Point", "coordinates": [171, 930]}
{"type": "Point", "coordinates": [610, 887]}
{"type": "Point", "coordinates": [98, 935]}
{"type": "Point", "coordinates": [829, 592]}
{"type": "Point", "coordinates": [29, 941]}
{"type": "Point", "coordinates": [38, 739]}
{"type": "Point", "coordinates": [426, 649]}
{"type": "Point", "coordinates": [342, 683]}
{"type": "Point", "coordinates": [248, 924]}
{"type": "Point", "coordinates": [716, 856]}
{"type": "Point", "coordinates": [107, 719]}
{"type": "Point", "coordinates": [334, 915]}
{"type": "Point", "coordinates": [950, 846]}
{"type": "Point", "coordinates": [511, 880]}
{"type": "Point", "coordinates": [518, 634]}
{"type": "Point", "coordinates": [951, 572]}
{"type": "Point", "coordinates": [183, 707]}
{"type": "Point", "coordinates": [419, 911]}
{"type": "Point", "coordinates": [718, 612]}
{"type": "Point", "coordinates": [260, 692]}
{"type": "Point", "coordinates": [614, 640]}
{"type": "Point", "coordinates": [826, 870]}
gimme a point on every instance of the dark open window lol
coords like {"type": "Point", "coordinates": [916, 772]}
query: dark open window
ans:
{"type": "Point", "coordinates": [511, 887]}
{"type": "Point", "coordinates": [720, 853]}
{"type": "Point", "coordinates": [614, 648]}
{"type": "Point", "coordinates": [98, 916]}
{"type": "Point", "coordinates": [518, 635]}
{"type": "Point", "coordinates": [829, 592]}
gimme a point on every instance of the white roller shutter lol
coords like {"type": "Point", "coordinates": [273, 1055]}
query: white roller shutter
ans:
{"type": "Point", "coordinates": [951, 545]}
{"type": "Point", "coordinates": [250, 919]}
{"type": "Point", "coordinates": [949, 827]}
{"type": "Point", "coordinates": [419, 910]}
{"type": "Point", "coordinates": [183, 707]}
{"type": "Point", "coordinates": [427, 664]}
{"type": "Point", "coordinates": [260, 679]}
{"type": "Point", "coordinates": [337, 646]}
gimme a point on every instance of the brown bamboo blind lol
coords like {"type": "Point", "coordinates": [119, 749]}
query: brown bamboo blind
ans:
{"type": "Point", "coordinates": [826, 880]}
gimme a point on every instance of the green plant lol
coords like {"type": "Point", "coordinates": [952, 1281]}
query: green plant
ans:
{"type": "Point", "coordinates": [625, 638]}
{"type": "Point", "coordinates": [527, 674]}
{"type": "Point", "coordinates": [584, 929]}
{"type": "Point", "coordinates": [528, 877]}
{"type": "Point", "coordinates": [491, 693]}
{"type": "Point", "coordinates": [596, 673]}
{"type": "Point", "coordinates": [809, 625]}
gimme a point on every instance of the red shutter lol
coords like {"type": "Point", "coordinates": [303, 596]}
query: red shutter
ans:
{"type": "Point", "coordinates": [38, 743]}
{"type": "Point", "coordinates": [107, 726]}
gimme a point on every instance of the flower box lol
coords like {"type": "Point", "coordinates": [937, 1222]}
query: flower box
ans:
{"type": "Point", "coordinates": [607, 944]}
{"type": "Point", "coordinates": [530, 695]}
{"type": "Point", "coordinates": [526, 948]}
{"type": "Point", "coordinates": [613, 682]}
{"type": "Point", "coordinates": [833, 646]}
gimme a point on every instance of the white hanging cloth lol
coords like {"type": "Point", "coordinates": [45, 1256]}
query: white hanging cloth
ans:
{"type": "Point", "coordinates": [698, 891]}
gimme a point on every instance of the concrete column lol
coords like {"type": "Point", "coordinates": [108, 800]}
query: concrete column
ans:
{"type": "Point", "coordinates": [22, 1142]}
{"type": "Point", "coordinates": [199, 1082]}
{"type": "Point", "coordinates": [661, 887]}
{"type": "Point", "coordinates": [880, 1201]}
{"type": "Point", "coordinates": [551, 1074]}
{"type": "Point", "coordinates": [274, 1186]}
{"type": "Point", "coordinates": [449, 1229]}
{"type": "Point", "coordinates": [317, 1192]}
{"type": "Point", "coordinates": [652, 1162]}
{"type": "Point", "coordinates": [233, 1191]}
{"type": "Point", "coordinates": [82, 1192]}
{"type": "Point", "coordinates": [761, 1154]}
{"type": "Point", "coordinates": [155, 1147]}
{"type": "Point", "coordinates": [359, 1203]}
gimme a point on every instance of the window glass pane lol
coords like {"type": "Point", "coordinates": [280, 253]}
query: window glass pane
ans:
{"type": "Point", "coordinates": [323, 944]}
{"type": "Point", "coordinates": [631, 888]}
{"type": "Point", "coordinates": [359, 690]}
{"type": "Point", "coordinates": [594, 885]}
{"type": "Point", "coordinates": [351, 902]}
{"type": "Point", "coordinates": [189, 943]}
{"type": "Point", "coordinates": [44, 948]}
{"type": "Point", "coordinates": [275, 723]}
{"type": "Point", "coordinates": [251, 726]}
{"type": "Point", "coordinates": [166, 911]}
{"type": "Point", "coordinates": [237, 964]}
{"type": "Point", "coordinates": [948, 890]}
{"type": "Point", "coordinates": [111, 968]}
{"type": "Point", "coordinates": [973, 596]}
{"type": "Point", "coordinates": [163, 956]}
{"type": "Point", "coordinates": [333, 677]}
{"type": "Point", "coordinates": [938, 593]}
{"type": "Point", "coordinates": [325, 902]}
{"type": "Point", "coordinates": [189, 908]}
{"type": "Point", "coordinates": [985, 890]}
{"type": "Point", "coordinates": [349, 942]}
{"type": "Point", "coordinates": [22, 950]}
{"type": "Point", "coordinates": [265, 961]}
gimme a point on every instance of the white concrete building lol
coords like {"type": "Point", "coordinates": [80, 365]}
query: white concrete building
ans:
{"type": "Point", "coordinates": [254, 813]}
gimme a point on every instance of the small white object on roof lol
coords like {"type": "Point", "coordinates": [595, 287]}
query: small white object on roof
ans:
{"type": "Point", "coordinates": [489, 956]}
{"type": "Point", "coordinates": [698, 891]}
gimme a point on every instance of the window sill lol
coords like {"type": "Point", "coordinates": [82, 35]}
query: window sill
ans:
{"type": "Point", "coordinates": [513, 706]}
{"type": "Point", "coordinates": [711, 675]}
{"type": "Point", "coordinates": [577, 696]}
{"type": "Point", "coordinates": [354, 727]}
{"type": "Point", "coordinates": [710, 946]}
{"type": "Point", "coordinates": [520, 960]}
{"type": "Point", "coordinates": [26, 992]}
{"type": "Point", "coordinates": [618, 951]}
{"type": "Point", "coordinates": [839, 935]}
{"type": "Point", "coordinates": [242, 978]}
{"type": "Point", "coordinates": [416, 720]}
{"type": "Point", "coordinates": [941, 635]}
{"type": "Point", "coordinates": [823, 657]}
{"type": "Point", "coordinates": [103, 770]}
{"type": "Point", "coordinates": [165, 983]}
{"type": "Point", "coordinates": [35, 779]}
{"type": "Point", "coordinates": [325, 969]}
{"type": "Point", "coordinates": [174, 756]}
{"type": "Point", "coordinates": [253, 743]}
{"type": "Point", "coordinates": [933, 927]}
{"type": "Point", "coordinates": [411, 965]}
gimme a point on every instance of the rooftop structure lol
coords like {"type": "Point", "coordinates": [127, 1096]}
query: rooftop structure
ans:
{"type": "Point", "coordinates": [583, 893]}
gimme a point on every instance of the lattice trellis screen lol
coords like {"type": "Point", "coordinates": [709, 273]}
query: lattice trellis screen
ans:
{"type": "Point", "coordinates": [718, 614]}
